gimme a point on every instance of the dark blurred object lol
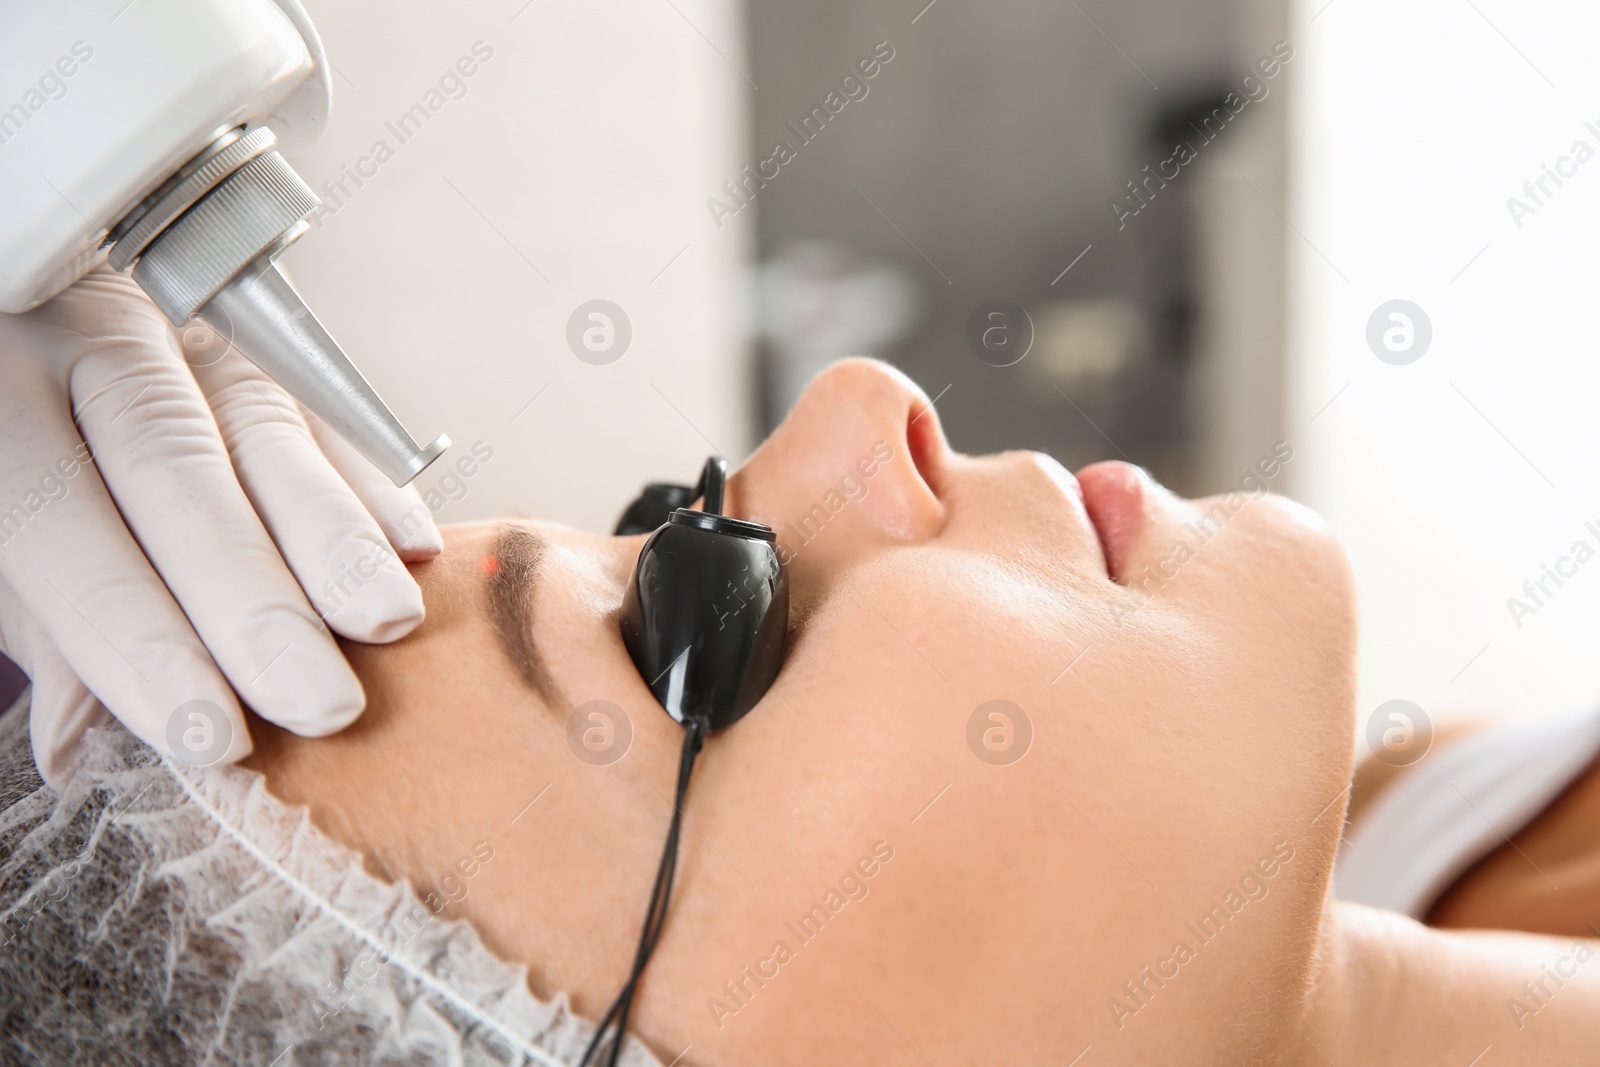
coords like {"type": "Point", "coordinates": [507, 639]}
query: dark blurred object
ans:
{"type": "Point", "coordinates": [1010, 153]}
{"type": "Point", "coordinates": [12, 682]}
{"type": "Point", "coordinates": [650, 510]}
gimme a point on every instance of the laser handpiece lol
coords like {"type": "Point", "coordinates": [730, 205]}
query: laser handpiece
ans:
{"type": "Point", "coordinates": [152, 138]}
{"type": "Point", "coordinates": [204, 245]}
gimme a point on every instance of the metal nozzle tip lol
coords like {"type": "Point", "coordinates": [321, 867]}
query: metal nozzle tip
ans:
{"type": "Point", "coordinates": [425, 457]}
{"type": "Point", "coordinates": [261, 314]}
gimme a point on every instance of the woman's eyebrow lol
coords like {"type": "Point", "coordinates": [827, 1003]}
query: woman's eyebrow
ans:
{"type": "Point", "coordinates": [513, 566]}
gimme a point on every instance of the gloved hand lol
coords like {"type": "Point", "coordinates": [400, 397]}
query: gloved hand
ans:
{"type": "Point", "coordinates": [162, 506]}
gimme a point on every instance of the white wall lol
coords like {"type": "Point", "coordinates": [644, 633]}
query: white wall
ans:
{"type": "Point", "coordinates": [590, 141]}
{"type": "Point", "coordinates": [1454, 478]}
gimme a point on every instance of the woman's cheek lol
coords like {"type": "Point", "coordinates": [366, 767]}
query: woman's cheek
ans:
{"type": "Point", "coordinates": [1313, 587]}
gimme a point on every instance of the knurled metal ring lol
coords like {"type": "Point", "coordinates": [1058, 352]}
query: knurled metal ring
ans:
{"type": "Point", "coordinates": [249, 213]}
{"type": "Point", "coordinates": [187, 193]}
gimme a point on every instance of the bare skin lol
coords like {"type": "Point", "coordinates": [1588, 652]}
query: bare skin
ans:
{"type": "Point", "coordinates": [1546, 879]}
{"type": "Point", "coordinates": [1189, 763]}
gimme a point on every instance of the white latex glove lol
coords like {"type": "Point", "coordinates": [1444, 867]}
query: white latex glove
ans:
{"type": "Point", "coordinates": [173, 563]}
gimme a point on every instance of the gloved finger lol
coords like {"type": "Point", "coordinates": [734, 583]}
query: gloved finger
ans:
{"type": "Point", "coordinates": [70, 563]}
{"type": "Point", "coordinates": [159, 452]}
{"type": "Point", "coordinates": [334, 547]}
{"type": "Point", "coordinates": [60, 707]}
{"type": "Point", "coordinates": [60, 711]}
{"type": "Point", "coordinates": [399, 510]}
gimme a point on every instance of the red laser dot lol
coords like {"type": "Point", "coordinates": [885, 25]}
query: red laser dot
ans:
{"type": "Point", "coordinates": [490, 564]}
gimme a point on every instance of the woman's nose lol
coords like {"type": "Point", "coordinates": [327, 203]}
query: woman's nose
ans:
{"type": "Point", "coordinates": [856, 464]}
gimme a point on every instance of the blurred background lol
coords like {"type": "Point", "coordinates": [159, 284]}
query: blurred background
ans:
{"type": "Point", "coordinates": [992, 154]}
{"type": "Point", "coordinates": [1002, 210]}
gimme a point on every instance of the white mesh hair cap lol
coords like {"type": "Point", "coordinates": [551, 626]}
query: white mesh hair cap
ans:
{"type": "Point", "coordinates": [155, 913]}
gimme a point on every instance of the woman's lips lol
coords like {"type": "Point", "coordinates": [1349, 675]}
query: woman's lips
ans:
{"type": "Point", "coordinates": [1113, 494]}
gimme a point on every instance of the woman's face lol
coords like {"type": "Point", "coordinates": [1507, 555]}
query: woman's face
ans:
{"type": "Point", "coordinates": [1177, 680]}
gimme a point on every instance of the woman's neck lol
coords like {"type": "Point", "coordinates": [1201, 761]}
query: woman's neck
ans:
{"type": "Point", "coordinates": [1393, 991]}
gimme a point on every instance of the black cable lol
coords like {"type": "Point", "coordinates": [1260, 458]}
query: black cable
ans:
{"type": "Point", "coordinates": [712, 479]}
{"type": "Point", "coordinates": [656, 914]}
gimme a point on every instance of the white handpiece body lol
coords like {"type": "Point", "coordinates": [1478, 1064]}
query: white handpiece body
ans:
{"type": "Point", "coordinates": [100, 106]}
